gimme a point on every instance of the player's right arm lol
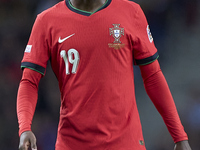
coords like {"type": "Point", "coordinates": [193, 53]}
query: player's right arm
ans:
{"type": "Point", "coordinates": [26, 103]}
{"type": "Point", "coordinates": [34, 62]}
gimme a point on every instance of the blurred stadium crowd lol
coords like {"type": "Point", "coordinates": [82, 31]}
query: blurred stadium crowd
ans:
{"type": "Point", "coordinates": [175, 25]}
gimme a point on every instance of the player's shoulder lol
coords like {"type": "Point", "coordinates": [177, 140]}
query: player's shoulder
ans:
{"type": "Point", "coordinates": [52, 11]}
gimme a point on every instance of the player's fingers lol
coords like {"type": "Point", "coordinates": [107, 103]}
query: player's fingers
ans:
{"type": "Point", "coordinates": [33, 146]}
{"type": "Point", "coordinates": [27, 139]}
{"type": "Point", "coordinates": [24, 145]}
{"type": "Point", "coordinates": [33, 143]}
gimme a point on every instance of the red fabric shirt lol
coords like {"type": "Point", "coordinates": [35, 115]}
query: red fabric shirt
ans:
{"type": "Point", "coordinates": [92, 56]}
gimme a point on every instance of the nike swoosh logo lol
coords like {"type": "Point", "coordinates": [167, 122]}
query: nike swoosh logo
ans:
{"type": "Point", "coordinates": [62, 40]}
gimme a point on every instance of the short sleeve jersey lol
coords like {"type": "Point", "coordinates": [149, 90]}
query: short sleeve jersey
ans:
{"type": "Point", "coordinates": [92, 56]}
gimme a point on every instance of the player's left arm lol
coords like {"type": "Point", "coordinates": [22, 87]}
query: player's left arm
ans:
{"type": "Point", "coordinates": [159, 93]}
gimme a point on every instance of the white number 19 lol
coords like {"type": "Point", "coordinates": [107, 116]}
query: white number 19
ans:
{"type": "Point", "coordinates": [73, 58]}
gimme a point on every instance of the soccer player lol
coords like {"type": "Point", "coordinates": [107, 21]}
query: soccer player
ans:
{"type": "Point", "coordinates": [92, 45]}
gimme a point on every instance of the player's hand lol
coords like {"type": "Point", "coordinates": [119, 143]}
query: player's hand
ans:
{"type": "Point", "coordinates": [27, 139]}
{"type": "Point", "coordinates": [182, 145]}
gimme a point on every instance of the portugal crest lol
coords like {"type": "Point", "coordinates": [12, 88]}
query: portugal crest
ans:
{"type": "Point", "coordinates": [116, 32]}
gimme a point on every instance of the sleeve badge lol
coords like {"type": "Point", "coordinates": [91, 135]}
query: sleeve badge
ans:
{"type": "Point", "coordinates": [149, 34]}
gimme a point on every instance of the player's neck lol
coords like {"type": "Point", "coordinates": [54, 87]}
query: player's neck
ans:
{"type": "Point", "coordinates": [87, 5]}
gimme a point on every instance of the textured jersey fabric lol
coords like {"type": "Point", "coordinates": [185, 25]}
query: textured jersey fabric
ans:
{"type": "Point", "coordinates": [27, 99]}
{"type": "Point", "coordinates": [157, 88]}
{"type": "Point", "coordinates": [92, 56]}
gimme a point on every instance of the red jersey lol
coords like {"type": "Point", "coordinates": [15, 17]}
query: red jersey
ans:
{"type": "Point", "coordinates": [92, 56]}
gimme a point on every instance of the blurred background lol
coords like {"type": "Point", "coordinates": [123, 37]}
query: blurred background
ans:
{"type": "Point", "coordinates": [175, 26]}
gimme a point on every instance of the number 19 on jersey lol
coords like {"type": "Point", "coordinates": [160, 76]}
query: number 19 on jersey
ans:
{"type": "Point", "coordinates": [72, 57]}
